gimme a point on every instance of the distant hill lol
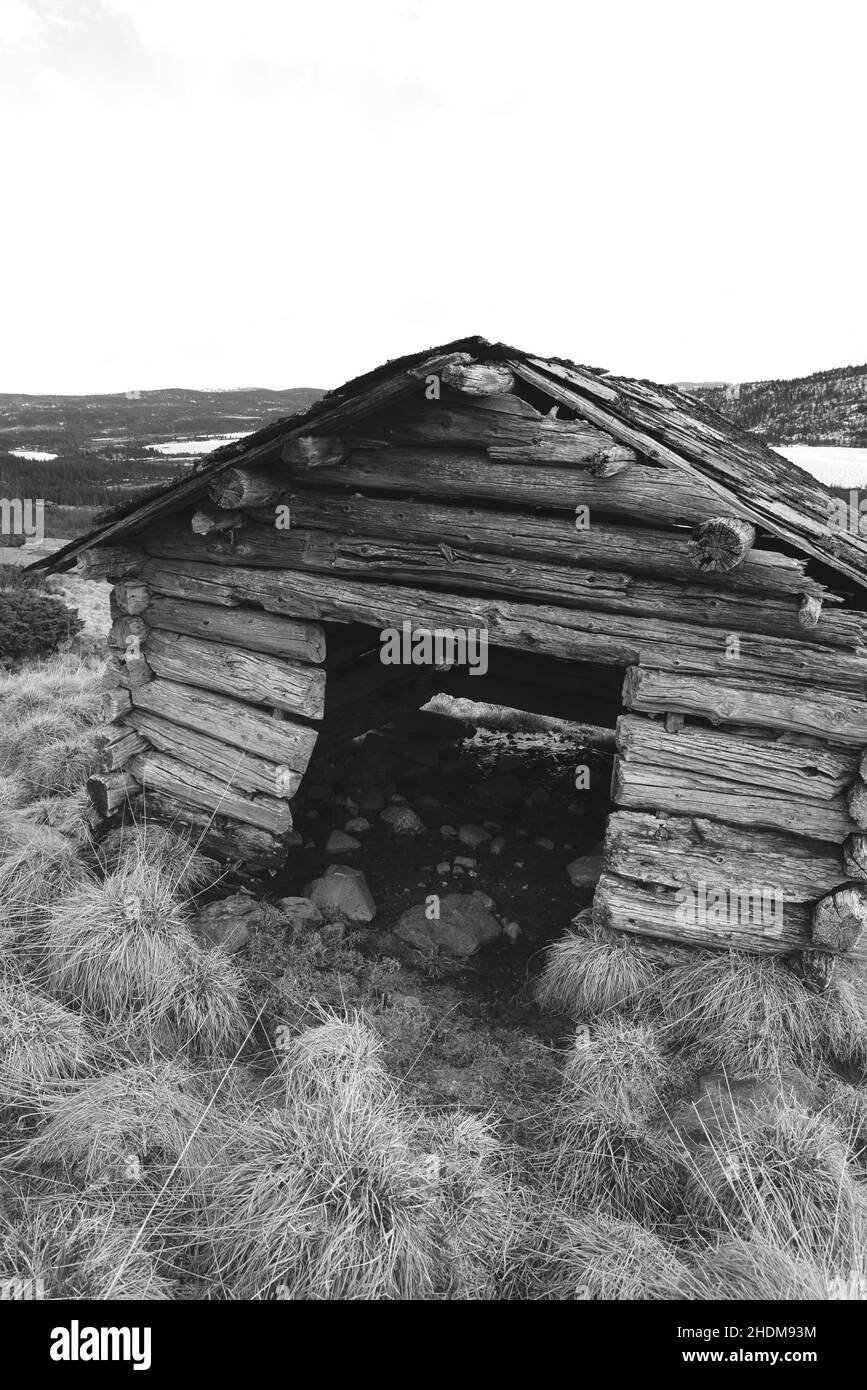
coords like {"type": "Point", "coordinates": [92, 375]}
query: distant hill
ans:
{"type": "Point", "coordinates": [86, 425]}
{"type": "Point", "coordinates": [827, 408]}
{"type": "Point", "coordinates": [84, 453]}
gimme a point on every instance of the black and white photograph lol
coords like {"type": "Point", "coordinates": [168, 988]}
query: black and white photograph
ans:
{"type": "Point", "coordinates": [433, 671]}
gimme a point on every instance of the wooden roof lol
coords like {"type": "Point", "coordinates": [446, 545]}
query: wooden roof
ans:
{"type": "Point", "coordinates": [668, 428]}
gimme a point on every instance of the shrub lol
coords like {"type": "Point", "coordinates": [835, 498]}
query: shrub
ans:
{"type": "Point", "coordinates": [31, 624]}
{"type": "Point", "coordinates": [19, 576]}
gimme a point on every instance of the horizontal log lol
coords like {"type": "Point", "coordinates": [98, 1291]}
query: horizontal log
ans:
{"type": "Point", "coordinates": [208, 518]}
{"type": "Point", "coordinates": [620, 904]}
{"type": "Point", "coordinates": [215, 835]}
{"type": "Point", "coordinates": [650, 495]}
{"type": "Point", "coordinates": [219, 837]}
{"type": "Point", "coordinates": [242, 627]}
{"type": "Point", "coordinates": [108, 562]}
{"type": "Point", "coordinates": [676, 851]}
{"type": "Point", "coordinates": [721, 544]}
{"type": "Point", "coordinates": [314, 451]}
{"type": "Point", "coordinates": [839, 716]}
{"type": "Point", "coordinates": [199, 573]}
{"type": "Point", "coordinates": [482, 423]}
{"type": "Point", "coordinates": [108, 791]}
{"type": "Point", "coordinates": [249, 676]}
{"type": "Point", "coordinates": [665, 554]}
{"type": "Point", "coordinates": [479, 378]}
{"type": "Point", "coordinates": [839, 918]}
{"type": "Point", "coordinates": [239, 725]}
{"type": "Point", "coordinates": [166, 775]}
{"type": "Point", "coordinates": [245, 771]}
{"type": "Point", "coordinates": [655, 787]}
{"type": "Point", "coordinates": [808, 773]}
{"type": "Point", "coordinates": [604, 639]}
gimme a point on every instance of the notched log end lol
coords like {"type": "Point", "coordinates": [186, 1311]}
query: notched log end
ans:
{"type": "Point", "coordinates": [840, 917]}
{"type": "Point", "coordinates": [721, 543]}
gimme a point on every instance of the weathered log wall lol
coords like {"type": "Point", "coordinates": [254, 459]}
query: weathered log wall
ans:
{"type": "Point", "coordinates": [569, 540]}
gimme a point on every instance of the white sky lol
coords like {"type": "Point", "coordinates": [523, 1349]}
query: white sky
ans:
{"type": "Point", "coordinates": [253, 192]}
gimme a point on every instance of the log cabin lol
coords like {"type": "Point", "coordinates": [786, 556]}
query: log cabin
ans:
{"type": "Point", "coordinates": [633, 559]}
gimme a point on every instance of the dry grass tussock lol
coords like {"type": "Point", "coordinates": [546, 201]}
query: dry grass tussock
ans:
{"type": "Point", "coordinates": [739, 1013]}
{"type": "Point", "coordinates": [172, 852]}
{"type": "Point", "coordinates": [783, 1179]}
{"type": "Point", "coordinates": [347, 1191]}
{"type": "Point", "coordinates": [44, 1044]}
{"type": "Point", "coordinates": [122, 948]}
{"type": "Point", "coordinates": [138, 1117]}
{"type": "Point", "coordinates": [593, 1256]}
{"type": "Point", "coordinates": [593, 971]}
{"type": "Point", "coordinates": [76, 1252]}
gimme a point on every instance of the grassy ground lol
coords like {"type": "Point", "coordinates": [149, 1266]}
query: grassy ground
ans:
{"type": "Point", "coordinates": [286, 1123]}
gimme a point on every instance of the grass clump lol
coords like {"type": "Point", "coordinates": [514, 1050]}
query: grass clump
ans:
{"type": "Point", "coordinates": [739, 1013]}
{"type": "Point", "coordinates": [76, 1252]}
{"type": "Point", "coordinates": [595, 1256]}
{"type": "Point", "coordinates": [756, 1269]}
{"type": "Point", "coordinates": [140, 1116]}
{"type": "Point", "coordinates": [38, 871]}
{"type": "Point", "coordinates": [621, 1066]}
{"type": "Point", "coordinates": [333, 1200]}
{"type": "Point", "coordinates": [118, 947]}
{"type": "Point", "coordinates": [593, 971]}
{"type": "Point", "coordinates": [43, 1043]}
{"type": "Point", "coordinates": [170, 852]}
{"type": "Point", "coordinates": [785, 1179]}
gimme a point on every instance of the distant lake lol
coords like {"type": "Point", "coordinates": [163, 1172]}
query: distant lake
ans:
{"type": "Point", "coordinates": [838, 466]}
{"type": "Point", "coordinates": [35, 455]}
{"type": "Point", "coordinates": [195, 446]}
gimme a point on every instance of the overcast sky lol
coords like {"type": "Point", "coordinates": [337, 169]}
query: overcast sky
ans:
{"type": "Point", "coordinates": [255, 192]}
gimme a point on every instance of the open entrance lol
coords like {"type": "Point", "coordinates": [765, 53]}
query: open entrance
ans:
{"type": "Point", "coordinates": [433, 783]}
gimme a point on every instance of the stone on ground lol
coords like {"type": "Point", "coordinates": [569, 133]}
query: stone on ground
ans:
{"type": "Point", "coordinates": [339, 842]}
{"type": "Point", "coordinates": [301, 912]}
{"type": "Point", "coordinates": [586, 870]}
{"type": "Point", "coordinates": [463, 927]}
{"type": "Point", "coordinates": [227, 923]}
{"type": "Point", "coordinates": [402, 820]}
{"type": "Point", "coordinates": [342, 895]}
